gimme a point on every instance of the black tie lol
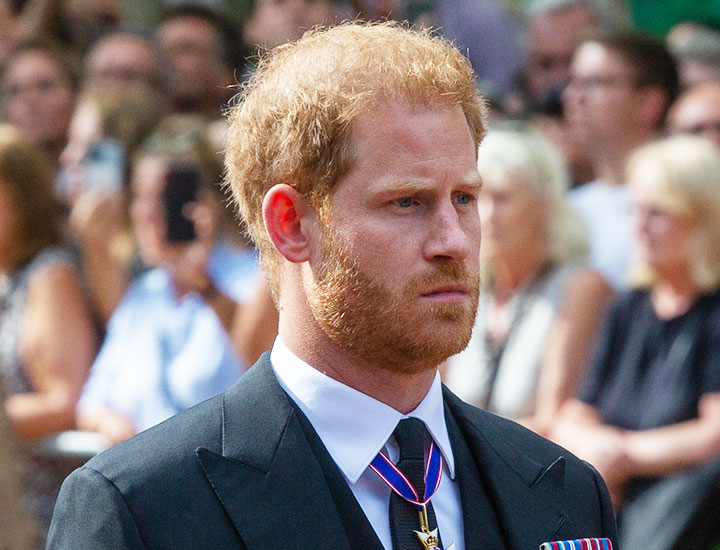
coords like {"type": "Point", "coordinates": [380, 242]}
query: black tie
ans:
{"type": "Point", "coordinates": [412, 438]}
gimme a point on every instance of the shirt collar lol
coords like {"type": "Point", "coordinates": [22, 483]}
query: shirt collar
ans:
{"type": "Point", "coordinates": [353, 426]}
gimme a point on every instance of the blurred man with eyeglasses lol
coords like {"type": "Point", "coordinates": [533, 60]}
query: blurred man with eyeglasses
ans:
{"type": "Point", "coordinates": [697, 112]}
{"type": "Point", "coordinates": [621, 85]}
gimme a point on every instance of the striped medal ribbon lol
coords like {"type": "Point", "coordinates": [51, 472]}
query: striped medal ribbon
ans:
{"type": "Point", "coordinates": [396, 480]}
{"type": "Point", "coordinates": [578, 544]}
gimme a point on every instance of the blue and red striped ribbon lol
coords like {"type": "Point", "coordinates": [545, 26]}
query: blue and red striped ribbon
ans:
{"type": "Point", "coordinates": [578, 544]}
{"type": "Point", "coordinates": [396, 480]}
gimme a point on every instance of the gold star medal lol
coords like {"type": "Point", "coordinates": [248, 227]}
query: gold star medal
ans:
{"type": "Point", "coordinates": [429, 539]}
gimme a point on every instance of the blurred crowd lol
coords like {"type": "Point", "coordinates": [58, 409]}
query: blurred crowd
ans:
{"type": "Point", "coordinates": [129, 290]}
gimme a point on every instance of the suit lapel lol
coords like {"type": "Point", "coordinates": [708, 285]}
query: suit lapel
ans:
{"type": "Point", "coordinates": [526, 494]}
{"type": "Point", "coordinates": [266, 475]}
{"type": "Point", "coordinates": [360, 534]}
{"type": "Point", "coordinates": [480, 522]}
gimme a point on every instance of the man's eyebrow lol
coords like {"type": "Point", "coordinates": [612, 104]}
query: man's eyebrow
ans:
{"type": "Point", "coordinates": [404, 186]}
{"type": "Point", "coordinates": [473, 179]}
{"type": "Point", "coordinates": [410, 186]}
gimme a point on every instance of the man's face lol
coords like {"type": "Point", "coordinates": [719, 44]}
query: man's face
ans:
{"type": "Point", "coordinates": [395, 279]}
{"type": "Point", "coordinates": [193, 48]}
{"type": "Point", "coordinates": [123, 60]}
{"type": "Point", "coordinates": [601, 98]}
{"type": "Point", "coordinates": [697, 115]}
{"type": "Point", "coordinates": [552, 38]}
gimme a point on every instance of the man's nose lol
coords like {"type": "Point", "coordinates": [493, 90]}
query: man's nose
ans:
{"type": "Point", "coordinates": [453, 235]}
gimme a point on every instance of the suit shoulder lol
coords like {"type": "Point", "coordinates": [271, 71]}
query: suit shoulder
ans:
{"type": "Point", "coordinates": [164, 449]}
{"type": "Point", "coordinates": [141, 490]}
{"type": "Point", "coordinates": [92, 513]}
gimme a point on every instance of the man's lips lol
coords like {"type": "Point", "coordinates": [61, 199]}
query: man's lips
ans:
{"type": "Point", "coordinates": [448, 293]}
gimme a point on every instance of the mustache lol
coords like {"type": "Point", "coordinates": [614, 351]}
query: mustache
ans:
{"type": "Point", "coordinates": [445, 275]}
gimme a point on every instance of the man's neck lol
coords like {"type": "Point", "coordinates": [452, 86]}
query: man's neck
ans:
{"type": "Point", "coordinates": [403, 391]}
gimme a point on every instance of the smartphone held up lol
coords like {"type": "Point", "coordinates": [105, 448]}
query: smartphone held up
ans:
{"type": "Point", "coordinates": [181, 191]}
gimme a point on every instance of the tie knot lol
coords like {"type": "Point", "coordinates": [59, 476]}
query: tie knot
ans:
{"type": "Point", "coordinates": [410, 435]}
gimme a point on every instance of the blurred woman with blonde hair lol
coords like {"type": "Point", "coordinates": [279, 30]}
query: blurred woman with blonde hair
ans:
{"type": "Point", "coordinates": [648, 413]}
{"type": "Point", "coordinates": [539, 306]}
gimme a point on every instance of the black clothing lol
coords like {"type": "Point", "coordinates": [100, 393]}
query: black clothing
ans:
{"type": "Point", "coordinates": [648, 373]}
{"type": "Point", "coordinates": [238, 471]}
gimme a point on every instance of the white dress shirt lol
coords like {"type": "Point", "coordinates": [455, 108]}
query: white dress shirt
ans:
{"type": "Point", "coordinates": [354, 427]}
{"type": "Point", "coordinates": [606, 211]}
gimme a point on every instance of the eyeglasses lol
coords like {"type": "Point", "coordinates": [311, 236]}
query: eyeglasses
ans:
{"type": "Point", "coordinates": [550, 62]}
{"type": "Point", "coordinates": [595, 83]}
{"type": "Point", "coordinates": [39, 86]}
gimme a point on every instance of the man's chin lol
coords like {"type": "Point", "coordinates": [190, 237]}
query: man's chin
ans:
{"type": "Point", "coordinates": [429, 348]}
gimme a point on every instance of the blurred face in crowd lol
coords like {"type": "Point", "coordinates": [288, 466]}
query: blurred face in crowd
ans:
{"type": "Point", "coordinates": [147, 210]}
{"type": "Point", "coordinates": [193, 47]}
{"type": "Point", "coordinates": [693, 69]}
{"type": "Point", "coordinates": [122, 59]}
{"type": "Point", "coordinates": [694, 72]}
{"type": "Point", "coordinates": [275, 22]}
{"type": "Point", "coordinates": [602, 97]}
{"type": "Point", "coordinates": [513, 218]}
{"type": "Point", "coordinates": [697, 112]}
{"type": "Point", "coordinates": [396, 278]}
{"type": "Point", "coordinates": [38, 98]}
{"type": "Point", "coordinates": [662, 234]}
{"type": "Point", "coordinates": [552, 38]}
{"type": "Point", "coordinates": [85, 129]}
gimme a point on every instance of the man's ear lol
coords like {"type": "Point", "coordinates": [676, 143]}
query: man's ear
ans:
{"type": "Point", "coordinates": [288, 215]}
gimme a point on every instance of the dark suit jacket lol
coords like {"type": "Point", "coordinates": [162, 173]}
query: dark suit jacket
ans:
{"type": "Point", "coordinates": [237, 472]}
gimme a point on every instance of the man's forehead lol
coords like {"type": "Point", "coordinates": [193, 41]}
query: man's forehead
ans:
{"type": "Point", "coordinates": [385, 116]}
{"type": "Point", "coordinates": [597, 56]}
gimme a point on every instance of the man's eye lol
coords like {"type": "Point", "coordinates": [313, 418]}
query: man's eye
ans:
{"type": "Point", "coordinates": [405, 202]}
{"type": "Point", "coordinates": [464, 198]}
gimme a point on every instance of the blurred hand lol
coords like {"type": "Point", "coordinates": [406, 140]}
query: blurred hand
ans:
{"type": "Point", "coordinates": [606, 452]}
{"type": "Point", "coordinates": [113, 425]}
{"type": "Point", "coordinates": [96, 219]}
